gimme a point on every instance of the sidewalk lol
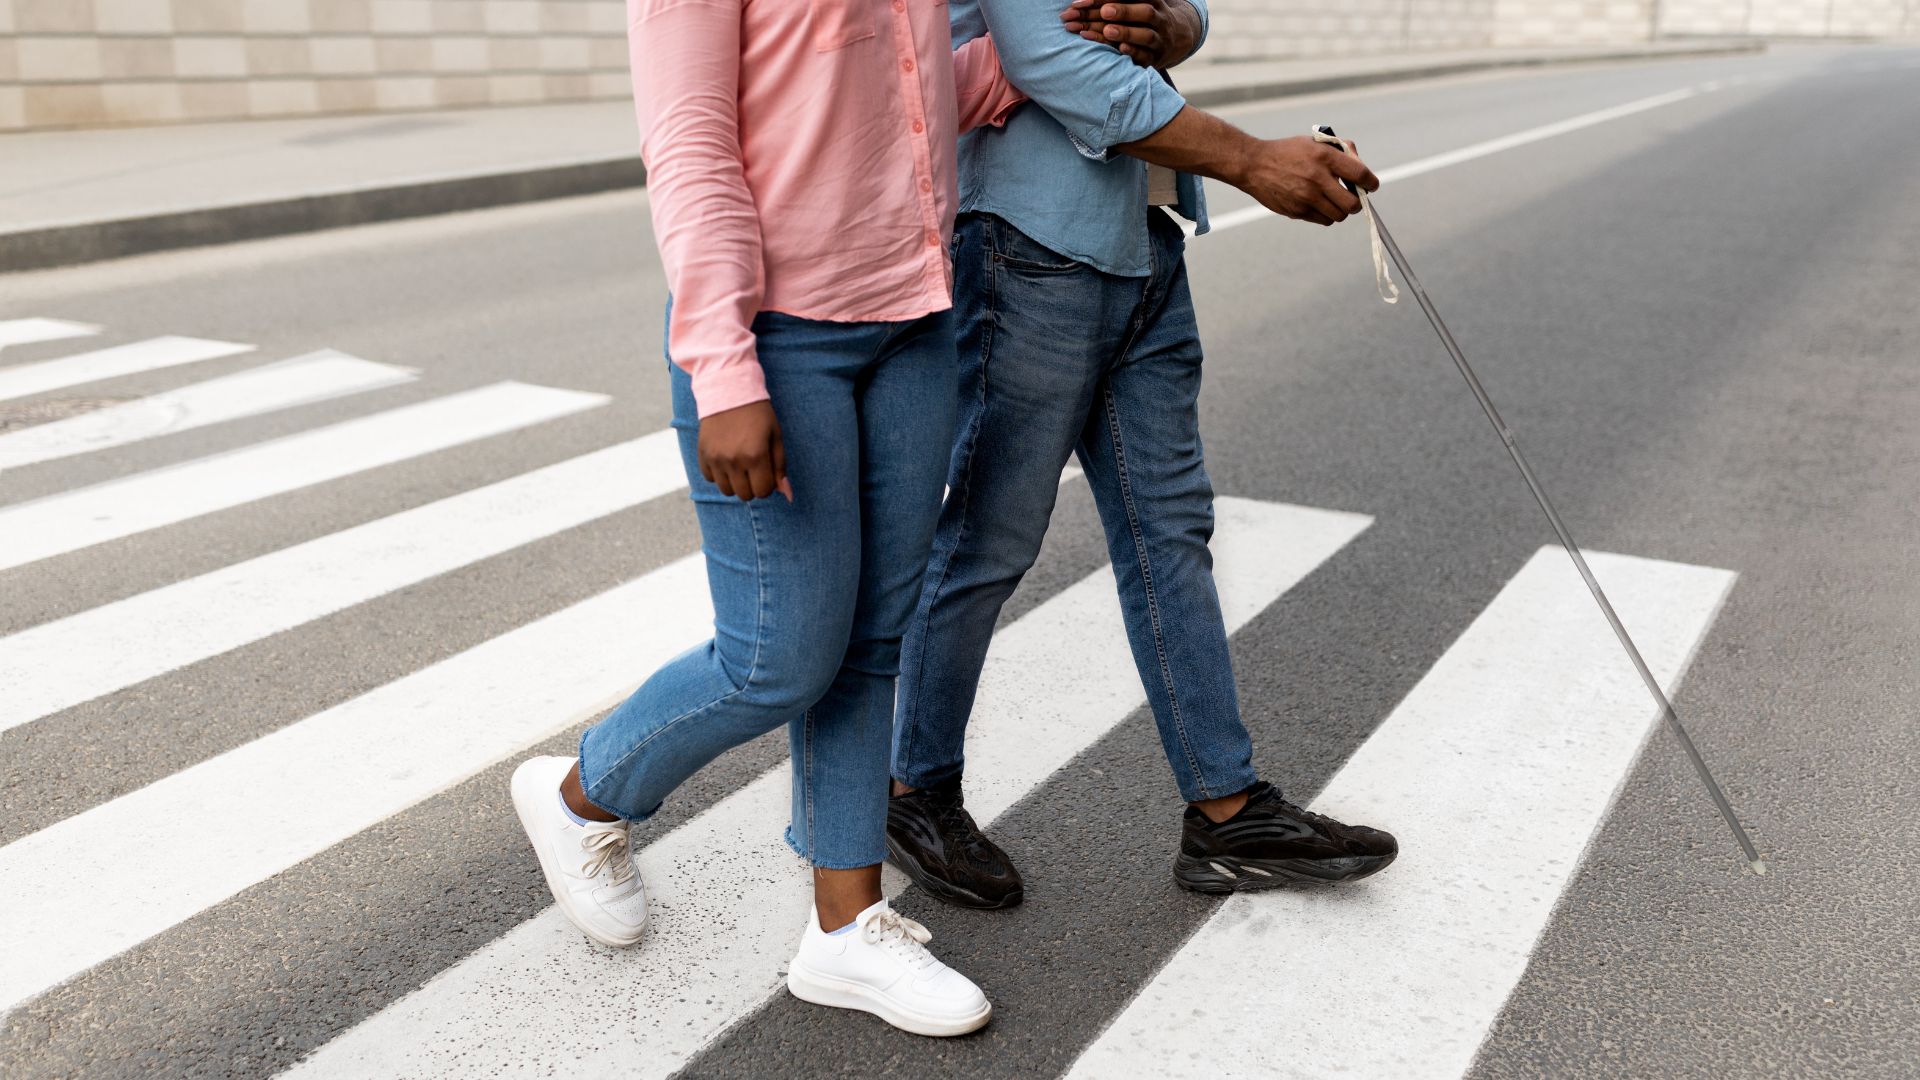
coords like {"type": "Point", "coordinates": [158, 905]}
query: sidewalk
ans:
{"type": "Point", "coordinates": [78, 196]}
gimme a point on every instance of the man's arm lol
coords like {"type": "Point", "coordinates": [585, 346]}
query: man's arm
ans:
{"type": "Point", "coordinates": [1099, 96]}
{"type": "Point", "coordinates": [1297, 177]}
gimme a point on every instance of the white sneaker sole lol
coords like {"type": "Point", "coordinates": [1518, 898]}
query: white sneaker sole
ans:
{"type": "Point", "coordinates": [810, 986]}
{"type": "Point", "coordinates": [561, 898]}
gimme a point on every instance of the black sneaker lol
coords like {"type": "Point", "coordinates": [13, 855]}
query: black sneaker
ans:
{"type": "Point", "coordinates": [932, 838]}
{"type": "Point", "coordinates": [1271, 843]}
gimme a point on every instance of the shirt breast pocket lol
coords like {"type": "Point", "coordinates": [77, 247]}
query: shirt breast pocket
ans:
{"type": "Point", "coordinates": [839, 23]}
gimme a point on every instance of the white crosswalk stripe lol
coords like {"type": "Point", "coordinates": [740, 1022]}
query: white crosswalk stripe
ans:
{"type": "Point", "coordinates": [169, 850]}
{"type": "Point", "coordinates": [1495, 772]}
{"type": "Point", "coordinates": [304, 380]}
{"type": "Point", "coordinates": [153, 354]}
{"type": "Point", "coordinates": [62, 663]}
{"type": "Point", "coordinates": [32, 331]}
{"type": "Point", "coordinates": [1058, 679]}
{"type": "Point", "coordinates": [119, 508]}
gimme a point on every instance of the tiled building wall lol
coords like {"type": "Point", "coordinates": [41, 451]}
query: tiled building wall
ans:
{"type": "Point", "coordinates": [82, 62]}
{"type": "Point", "coordinates": [1266, 29]}
{"type": "Point", "coordinates": [1573, 22]}
{"type": "Point", "coordinates": [1259, 29]}
{"type": "Point", "coordinates": [68, 63]}
{"type": "Point", "coordinates": [1705, 16]}
{"type": "Point", "coordinates": [1793, 18]}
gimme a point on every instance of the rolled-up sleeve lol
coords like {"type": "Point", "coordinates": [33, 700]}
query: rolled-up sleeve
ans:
{"type": "Point", "coordinates": [686, 79]}
{"type": "Point", "coordinates": [1101, 97]}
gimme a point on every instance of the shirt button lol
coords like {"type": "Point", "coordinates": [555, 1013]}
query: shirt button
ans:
{"type": "Point", "coordinates": [933, 239]}
{"type": "Point", "coordinates": [926, 185]}
{"type": "Point", "coordinates": [906, 65]}
{"type": "Point", "coordinates": [899, 5]}
{"type": "Point", "coordinates": [918, 127]}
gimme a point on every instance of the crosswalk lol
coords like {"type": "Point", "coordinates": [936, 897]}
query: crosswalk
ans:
{"type": "Point", "coordinates": [303, 380]}
{"type": "Point", "coordinates": [153, 354]}
{"type": "Point", "coordinates": [1529, 716]}
{"type": "Point", "coordinates": [30, 331]}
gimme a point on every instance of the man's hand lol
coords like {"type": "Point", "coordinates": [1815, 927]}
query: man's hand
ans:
{"type": "Point", "coordinates": [740, 452]}
{"type": "Point", "coordinates": [1153, 33]}
{"type": "Point", "coordinates": [1300, 178]}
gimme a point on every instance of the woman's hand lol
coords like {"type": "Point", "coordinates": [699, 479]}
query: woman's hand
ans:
{"type": "Point", "coordinates": [741, 453]}
{"type": "Point", "coordinates": [1156, 33]}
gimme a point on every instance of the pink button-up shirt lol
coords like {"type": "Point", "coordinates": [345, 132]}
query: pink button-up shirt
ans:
{"type": "Point", "coordinates": [800, 159]}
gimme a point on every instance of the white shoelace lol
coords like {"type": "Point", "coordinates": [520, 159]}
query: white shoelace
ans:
{"type": "Point", "coordinates": [608, 848]}
{"type": "Point", "coordinates": [900, 936]}
{"type": "Point", "coordinates": [1382, 277]}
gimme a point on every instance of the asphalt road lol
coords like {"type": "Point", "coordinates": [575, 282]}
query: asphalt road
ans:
{"type": "Point", "coordinates": [1699, 318]}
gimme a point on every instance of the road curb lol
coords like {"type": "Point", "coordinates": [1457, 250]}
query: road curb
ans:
{"type": "Point", "coordinates": [1231, 95]}
{"type": "Point", "coordinates": [94, 241]}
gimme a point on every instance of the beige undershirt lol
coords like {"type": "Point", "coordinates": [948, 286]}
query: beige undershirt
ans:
{"type": "Point", "coordinates": [1162, 188]}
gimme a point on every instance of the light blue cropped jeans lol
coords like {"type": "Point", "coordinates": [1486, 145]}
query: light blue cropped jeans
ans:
{"type": "Point", "coordinates": [810, 597]}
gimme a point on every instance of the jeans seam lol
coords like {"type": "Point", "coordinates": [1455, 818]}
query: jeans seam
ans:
{"type": "Point", "coordinates": [1152, 597]}
{"type": "Point", "coordinates": [1124, 480]}
{"type": "Point", "coordinates": [806, 775]}
{"type": "Point", "coordinates": [753, 666]}
{"type": "Point", "coordinates": [966, 502]}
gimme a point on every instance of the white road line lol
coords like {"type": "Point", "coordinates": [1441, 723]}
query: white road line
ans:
{"type": "Point", "coordinates": [30, 331]}
{"type": "Point", "coordinates": [119, 508]}
{"type": "Point", "coordinates": [304, 380]}
{"type": "Point", "coordinates": [1494, 773]}
{"type": "Point", "coordinates": [62, 663]}
{"type": "Point", "coordinates": [1250, 214]}
{"type": "Point", "coordinates": [150, 355]}
{"type": "Point", "coordinates": [1058, 679]}
{"type": "Point", "coordinates": [92, 885]}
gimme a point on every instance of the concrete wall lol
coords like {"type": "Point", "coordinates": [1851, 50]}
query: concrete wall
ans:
{"type": "Point", "coordinates": [1268, 29]}
{"type": "Point", "coordinates": [81, 62]}
{"type": "Point", "coordinates": [1792, 18]}
{"type": "Point", "coordinates": [1255, 29]}
{"type": "Point", "coordinates": [1573, 22]}
{"type": "Point", "coordinates": [69, 63]}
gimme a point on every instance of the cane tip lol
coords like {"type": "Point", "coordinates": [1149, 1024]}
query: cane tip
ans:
{"type": "Point", "coordinates": [1759, 867]}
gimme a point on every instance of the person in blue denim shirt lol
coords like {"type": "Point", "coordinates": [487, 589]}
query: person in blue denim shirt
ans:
{"type": "Point", "coordinates": [1077, 337]}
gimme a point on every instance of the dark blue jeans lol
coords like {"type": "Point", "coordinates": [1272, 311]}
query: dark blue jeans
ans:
{"type": "Point", "coordinates": [1056, 359]}
{"type": "Point", "coordinates": [809, 597]}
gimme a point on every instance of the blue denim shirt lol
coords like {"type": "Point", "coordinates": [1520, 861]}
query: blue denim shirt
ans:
{"type": "Point", "coordinates": [1048, 171]}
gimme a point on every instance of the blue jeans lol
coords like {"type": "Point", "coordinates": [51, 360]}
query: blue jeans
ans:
{"type": "Point", "coordinates": [810, 598]}
{"type": "Point", "coordinates": [1058, 358]}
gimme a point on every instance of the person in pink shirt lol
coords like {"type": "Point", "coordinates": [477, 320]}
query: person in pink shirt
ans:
{"type": "Point", "coordinates": [800, 159]}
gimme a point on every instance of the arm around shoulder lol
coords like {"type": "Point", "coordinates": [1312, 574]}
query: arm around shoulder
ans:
{"type": "Point", "coordinates": [980, 85]}
{"type": "Point", "coordinates": [1100, 96]}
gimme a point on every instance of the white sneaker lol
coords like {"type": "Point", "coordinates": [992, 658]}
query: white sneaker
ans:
{"type": "Point", "coordinates": [589, 867]}
{"type": "Point", "coordinates": [882, 966]}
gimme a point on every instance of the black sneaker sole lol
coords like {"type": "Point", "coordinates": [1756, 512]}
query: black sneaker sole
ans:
{"type": "Point", "coordinates": [946, 891]}
{"type": "Point", "coordinates": [1222, 874]}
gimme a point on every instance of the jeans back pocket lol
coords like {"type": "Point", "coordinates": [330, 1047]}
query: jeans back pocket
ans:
{"type": "Point", "coordinates": [839, 23]}
{"type": "Point", "coordinates": [1015, 248]}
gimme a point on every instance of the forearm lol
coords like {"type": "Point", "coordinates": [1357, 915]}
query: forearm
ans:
{"type": "Point", "coordinates": [980, 86]}
{"type": "Point", "coordinates": [1297, 177]}
{"type": "Point", "coordinates": [1198, 142]}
